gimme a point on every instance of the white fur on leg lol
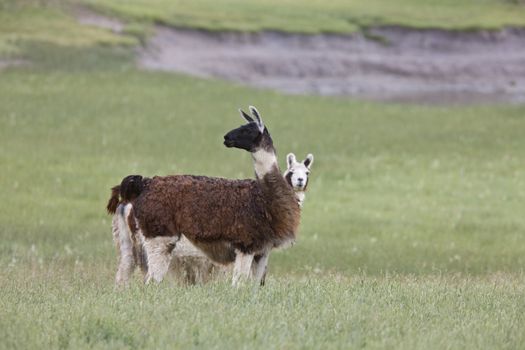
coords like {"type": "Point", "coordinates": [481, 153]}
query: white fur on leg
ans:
{"type": "Point", "coordinates": [121, 234]}
{"type": "Point", "coordinates": [242, 267]}
{"type": "Point", "coordinates": [237, 268]}
{"type": "Point", "coordinates": [259, 268]}
{"type": "Point", "coordinates": [158, 253]}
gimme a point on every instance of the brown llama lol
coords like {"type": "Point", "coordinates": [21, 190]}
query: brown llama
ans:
{"type": "Point", "coordinates": [189, 264]}
{"type": "Point", "coordinates": [217, 215]}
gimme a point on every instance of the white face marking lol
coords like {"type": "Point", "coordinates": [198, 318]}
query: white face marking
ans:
{"type": "Point", "coordinates": [263, 162]}
{"type": "Point", "coordinates": [299, 176]}
{"type": "Point", "coordinates": [299, 173]}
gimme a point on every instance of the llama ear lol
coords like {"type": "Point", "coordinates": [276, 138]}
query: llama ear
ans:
{"type": "Point", "coordinates": [258, 118]}
{"type": "Point", "coordinates": [290, 160]}
{"type": "Point", "coordinates": [309, 160]}
{"type": "Point", "coordinates": [245, 116]}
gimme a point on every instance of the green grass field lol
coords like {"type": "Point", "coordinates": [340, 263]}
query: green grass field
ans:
{"type": "Point", "coordinates": [319, 16]}
{"type": "Point", "coordinates": [411, 235]}
{"type": "Point", "coordinates": [52, 309]}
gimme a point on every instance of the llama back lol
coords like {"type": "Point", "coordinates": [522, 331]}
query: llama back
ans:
{"type": "Point", "coordinates": [214, 209]}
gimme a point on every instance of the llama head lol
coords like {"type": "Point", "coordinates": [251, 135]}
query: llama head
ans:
{"type": "Point", "coordinates": [297, 173]}
{"type": "Point", "coordinates": [252, 136]}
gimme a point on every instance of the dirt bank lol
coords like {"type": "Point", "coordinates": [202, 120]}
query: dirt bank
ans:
{"type": "Point", "coordinates": [6, 63]}
{"type": "Point", "coordinates": [390, 64]}
{"type": "Point", "coordinates": [387, 64]}
{"type": "Point", "coordinates": [88, 17]}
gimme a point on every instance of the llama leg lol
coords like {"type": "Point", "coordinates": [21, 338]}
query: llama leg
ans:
{"type": "Point", "coordinates": [126, 264]}
{"type": "Point", "coordinates": [158, 253]}
{"type": "Point", "coordinates": [242, 267]}
{"type": "Point", "coordinates": [259, 268]}
{"type": "Point", "coordinates": [237, 269]}
{"type": "Point", "coordinates": [247, 265]}
{"type": "Point", "coordinates": [141, 257]}
{"type": "Point", "coordinates": [263, 279]}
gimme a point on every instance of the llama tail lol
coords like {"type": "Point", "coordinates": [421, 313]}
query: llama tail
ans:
{"type": "Point", "coordinates": [114, 200]}
{"type": "Point", "coordinates": [129, 189]}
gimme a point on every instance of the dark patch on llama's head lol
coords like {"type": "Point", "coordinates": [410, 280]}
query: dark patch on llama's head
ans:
{"type": "Point", "coordinates": [252, 136]}
{"type": "Point", "coordinates": [288, 178]}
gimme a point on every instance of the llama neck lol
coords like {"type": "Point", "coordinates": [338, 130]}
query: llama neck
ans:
{"type": "Point", "coordinates": [264, 162]}
{"type": "Point", "coordinates": [300, 197]}
{"type": "Point", "coordinates": [281, 203]}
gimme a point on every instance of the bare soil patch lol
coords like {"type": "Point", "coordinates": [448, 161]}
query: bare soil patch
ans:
{"type": "Point", "coordinates": [6, 63]}
{"type": "Point", "coordinates": [387, 64]}
{"type": "Point", "coordinates": [88, 17]}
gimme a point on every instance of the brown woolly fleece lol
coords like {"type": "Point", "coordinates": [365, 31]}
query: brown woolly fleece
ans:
{"type": "Point", "coordinates": [248, 215]}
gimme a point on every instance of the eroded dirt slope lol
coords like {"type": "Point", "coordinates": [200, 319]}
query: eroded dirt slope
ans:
{"type": "Point", "coordinates": [389, 64]}
{"type": "Point", "coordinates": [397, 64]}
